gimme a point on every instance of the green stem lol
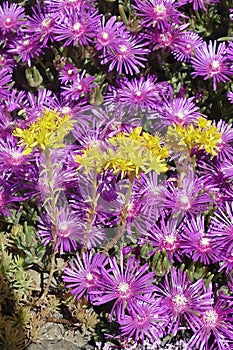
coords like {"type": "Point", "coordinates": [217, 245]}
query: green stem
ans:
{"type": "Point", "coordinates": [92, 213]}
{"type": "Point", "coordinates": [121, 230]}
{"type": "Point", "coordinates": [54, 215]}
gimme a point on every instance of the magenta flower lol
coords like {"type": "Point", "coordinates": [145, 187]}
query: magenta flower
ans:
{"type": "Point", "coordinates": [11, 155]}
{"type": "Point", "coordinates": [179, 110]}
{"type": "Point", "coordinates": [127, 54]}
{"type": "Point", "coordinates": [11, 17]}
{"type": "Point", "coordinates": [83, 275]}
{"type": "Point", "coordinates": [124, 284]}
{"type": "Point", "coordinates": [225, 146]}
{"type": "Point", "coordinates": [26, 48]}
{"type": "Point", "coordinates": [201, 4]}
{"type": "Point", "coordinates": [76, 27]}
{"type": "Point", "coordinates": [221, 226]}
{"type": "Point", "coordinates": [138, 94]}
{"type": "Point", "coordinates": [199, 243]}
{"type": "Point", "coordinates": [107, 33]}
{"type": "Point", "coordinates": [183, 300]}
{"type": "Point", "coordinates": [41, 23]}
{"type": "Point", "coordinates": [215, 330]}
{"type": "Point", "coordinates": [67, 229]}
{"type": "Point", "coordinates": [185, 45]}
{"type": "Point", "coordinates": [5, 79]}
{"type": "Point", "coordinates": [189, 199]}
{"type": "Point", "coordinates": [165, 236]}
{"type": "Point", "coordinates": [211, 62]}
{"type": "Point", "coordinates": [79, 87]}
{"type": "Point", "coordinates": [147, 323]}
{"type": "Point", "coordinates": [158, 12]}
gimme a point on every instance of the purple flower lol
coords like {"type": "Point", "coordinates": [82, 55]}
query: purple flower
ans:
{"type": "Point", "coordinates": [183, 300]}
{"type": "Point", "coordinates": [76, 27]}
{"type": "Point", "coordinates": [179, 111]}
{"type": "Point", "coordinates": [7, 195]}
{"type": "Point", "coordinates": [11, 17]}
{"type": "Point", "coordinates": [127, 54]}
{"type": "Point", "coordinates": [137, 94]}
{"type": "Point", "coordinates": [26, 48]}
{"type": "Point", "coordinates": [41, 24]}
{"type": "Point", "coordinates": [11, 155]}
{"type": "Point", "coordinates": [165, 236]}
{"type": "Point", "coordinates": [147, 323]}
{"type": "Point", "coordinates": [158, 12]}
{"type": "Point", "coordinates": [190, 198]}
{"type": "Point", "coordinates": [67, 230]}
{"type": "Point", "coordinates": [68, 73]}
{"type": "Point", "coordinates": [199, 243]}
{"type": "Point", "coordinates": [107, 33]}
{"type": "Point", "coordinates": [230, 96]}
{"type": "Point", "coordinates": [79, 87]}
{"type": "Point", "coordinates": [225, 146]}
{"type": "Point", "coordinates": [124, 284]}
{"type": "Point", "coordinates": [221, 226]}
{"type": "Point", "coordinates": [83, 275]}
{"type": "Point", "coordinates": [201, 4]}
{"type": "Point", "coordinates": [5, 79]}
{"type": "Point", "coordinates": [215, 330]}
{"type": "Point", "coordinates": [211, 62]}
{"type": "Point", "coordinates": [185, 45]}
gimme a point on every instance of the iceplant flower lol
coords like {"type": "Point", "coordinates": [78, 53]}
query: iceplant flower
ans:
{"type": "Point", "coordinates": [125, 284]}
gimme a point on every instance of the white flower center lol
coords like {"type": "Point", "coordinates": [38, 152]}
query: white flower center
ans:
{"type": "Point", "coordinates": [46, 22]}
{"type": "Point", "coordinates": [66, 110]}
{"type": "Point", "coordinates": [70, 71]}
{"type": "Point", "coordinates": [159, 9]}
{"type": "Point", "coordinates": [89, 276]}
{"type": "Point", "coordinates": [184, 202]}
{"type": "Point", "coordinates": [124, 289]}
{"type": "Point", "coordinates": [26, 42]}
{"type": "Point", "coordinates": [180, 302]}
{"type": "Point", "coordinates": [123, 48]}
{"type": "Point", "coordinates": [215, 64]}
{"type": "Point", "coordinates": [105, 35]}
{"type": "Point", "coordinates": [205, 242]}
{"type": "Point", "coordinates": [210, 318]}
{"type": "Point", "coordinates": [77, 26]}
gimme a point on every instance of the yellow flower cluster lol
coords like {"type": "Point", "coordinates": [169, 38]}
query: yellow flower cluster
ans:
{"type": "Point", "coordinates": [48, 131]}
{"type": "Point", "coordinates": [133, 152]}
{"type": "Point", "coordinates": [204, 136]}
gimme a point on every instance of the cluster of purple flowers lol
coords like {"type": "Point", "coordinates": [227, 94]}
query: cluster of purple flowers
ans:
{"type": "Point", "coordinates": [103, 76]}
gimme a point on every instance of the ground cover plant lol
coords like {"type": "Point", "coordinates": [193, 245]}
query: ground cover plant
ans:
{"type": "Point", "coordinates": [116, 172]}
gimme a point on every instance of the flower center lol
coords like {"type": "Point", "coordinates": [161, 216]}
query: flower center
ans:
{"type": "Point", "coordinates": [70, 71]}
{"type": "Point", "coordinates": [184, 202]}
{"type": "Point", "coordinates": [66, 110]}
{"type": "Point", "coordinates": [26, 42]}
{"type": "Point", "coordinates": [180, 302]}
{"type": "Point", "coordinates": [210, 318]}
{"type": "Point", "coordinates": [89, 277]}
{"type": "Point", "coordinates": [77, 26]}
{"type": "Point", "coordinates": [204, 242]}
{"type": "Point", "coordinates": [63, 229]}
{"type": "Point", "coordinates": [215, 67]}
{"type": "Point", "coordinates": [8, 22]}
{"type": "Point", "coordinates": [46, 22]}
{"type": "Point", "coordinates": [15, 158]}
{"type": "Point", "coordinates": [160, 10]}
{"type": "Point", "coordinates": [123, 48]}
{"type": "Point", "coordinates": [105, 35]}
{"type": "Point", "coordinates": [124, 289]}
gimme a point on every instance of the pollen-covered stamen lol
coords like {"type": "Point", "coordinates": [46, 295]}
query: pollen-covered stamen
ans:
{"type": "Point", "coordinates": [15, 158]}
{"type": "Point", "coordinates": [46, 22]}
{"type": "Point", "coordinates": [63, 229]}
{"type": "Point", "coordinates": [8, 22]}
{"type": "Point", "coordinates": [160, 11]}
{"type": "Point", "coordinates": [210, 318]}
{"type": "Point", "coordinates": [215, 67]}
{"type": "Point", "coordinates": [179, 302]}
{"type": "Point", "coordinates": [205, 243]}
{"type": "Point", "coordinates": [184, 202]}
{"type": "Point", "coordinates": [124, 290]}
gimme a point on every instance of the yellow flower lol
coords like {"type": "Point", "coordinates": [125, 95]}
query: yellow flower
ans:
{"type": "Point", "coordinates": [204, 135]}
{"type": "Point", "coordinates": [132, 152]}
{"type": "Point", "coordinates": [46, 132]}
